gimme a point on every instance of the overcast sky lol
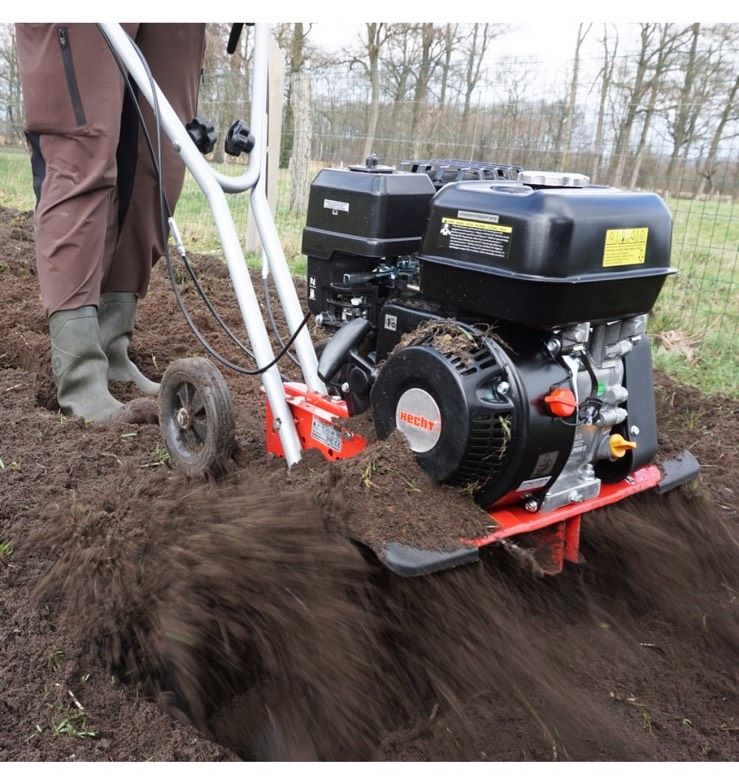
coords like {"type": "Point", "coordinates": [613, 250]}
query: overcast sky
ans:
{"type": "Point", "coordinates": [552, 41]}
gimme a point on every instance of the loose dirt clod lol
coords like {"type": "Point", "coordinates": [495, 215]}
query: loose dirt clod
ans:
{"type": "Point", "coordinates": [218, 621]}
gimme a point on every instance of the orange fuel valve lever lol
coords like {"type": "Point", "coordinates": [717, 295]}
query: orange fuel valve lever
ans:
{"type": "Point", "coordinates": [561, 401]}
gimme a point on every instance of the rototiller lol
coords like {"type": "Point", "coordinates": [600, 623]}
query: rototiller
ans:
{"type": "Point", "coordinates": [495, 316]}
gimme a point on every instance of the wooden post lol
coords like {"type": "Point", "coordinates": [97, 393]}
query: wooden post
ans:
{"type": "Point", "coordinates": [274, 133]}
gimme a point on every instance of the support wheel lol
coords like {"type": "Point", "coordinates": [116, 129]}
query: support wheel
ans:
{"type": "Point", "coordinates": [196, 417]}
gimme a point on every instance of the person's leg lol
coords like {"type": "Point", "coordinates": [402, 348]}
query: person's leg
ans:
{"type": "Point", "coordinates": [72, 106]}
{"type": "Point", "coordinates": [72, 93]}
{"type": "Point", "coordinates": [175, 54]}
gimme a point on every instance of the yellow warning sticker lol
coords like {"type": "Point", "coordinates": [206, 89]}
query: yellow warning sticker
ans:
{"type": "Point", "coordinates": [625, 247]}
{"type": "Point", "coordinates": [480, 237]}
{"type": "Point", "coordinates": [477, 225]}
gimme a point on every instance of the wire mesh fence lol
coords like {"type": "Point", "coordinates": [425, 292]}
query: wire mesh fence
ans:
{"type": "Point", "coordinates": [520, 112]}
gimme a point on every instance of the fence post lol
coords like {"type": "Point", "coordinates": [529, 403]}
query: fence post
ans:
{"type": "Point", "coordinates": [274, 134]}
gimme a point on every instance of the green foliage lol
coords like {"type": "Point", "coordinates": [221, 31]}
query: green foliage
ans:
{"type": "Point", "coordinates": [73, 723]}
{"type": "Point", "coordinates": [6, 551]}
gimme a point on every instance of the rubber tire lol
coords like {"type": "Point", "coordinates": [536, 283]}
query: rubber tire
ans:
{"type": "Point", "coordinates": [209, 459]}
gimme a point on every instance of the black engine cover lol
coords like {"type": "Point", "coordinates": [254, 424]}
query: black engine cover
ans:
{"type": "Point", "coordinates": [475, 416]}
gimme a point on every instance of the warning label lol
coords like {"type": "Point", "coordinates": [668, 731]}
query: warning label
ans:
{"type": "Point", "coordinates": [533, 483]}
{"type": "Point", "coordinates": [494, 240]}
{"type": "Point", "coordinates": [625, 247]}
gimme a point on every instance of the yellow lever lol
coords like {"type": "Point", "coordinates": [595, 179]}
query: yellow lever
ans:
{"type": "Point", "coordinates": [619, 445]}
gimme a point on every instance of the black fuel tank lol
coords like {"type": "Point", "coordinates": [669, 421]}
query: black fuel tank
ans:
{"type": "Point", "coordinates": [546, 256]}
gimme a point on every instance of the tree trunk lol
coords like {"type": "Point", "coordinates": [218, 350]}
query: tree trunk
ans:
{"type": "Point", "coordinates": [295, 66]}
{"type": "Point", "coordinates": [636, 95]}
{"type": "Point", "coordinates": [450, 32]}
{"type": "Point", "coordinates": [300, 176]}
{"type": "Point", "coordinates": [609, 61]}
{"type": "Point", "coordinates": [666, 48]}
{"type": "Point", "coordinates": [470, 79]}
{"type": "Point", "coordinates": [420, 101]}
{"type": "Point", "coordinates": [375, 39]}
{"type": "Point", "coordinates": [710, 163]}
{"type": "Point", "coordinates": [682, 118]}
{"type": "Point", "coordinates": [572, 102]}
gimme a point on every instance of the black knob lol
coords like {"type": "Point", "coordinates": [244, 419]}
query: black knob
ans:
{"type": "Point", "coordinates": [238, 139]}
{"type": "Point", "coordinates": [372, 161]}
{"type": "Point", "coordinates": [203, 134]}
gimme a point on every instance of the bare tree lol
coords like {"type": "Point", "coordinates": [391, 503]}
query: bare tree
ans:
{"type": "Point", "coordinates": [708, 72]}
{"type": "Point", "coordinates": [606, 79]}
{"type": "Point", "coordinates": [375, 36]}
{"type": "Point", "coordinates": [634, 89]}
{"type": "Point", "coordinates": [730, 113]}
{"type": "Point", "coordinates": [582, 32]}
{"type": "Point", "coordinates": [477, 43]}
{"type": "Point", "coordinates": [399, 59]}
{"type": "Point", "coordinates": [398, 63]}
{"type": "Point", "coordinates": [684, 117]}
{"type": "Point", "coordinates": [292, 39]}
{"type": "Point", "coordinates": [450, 39]}
{"type": "Point", "coordinates": [431, 53]}
{"type": "Point", "coordinates": [669, 42]}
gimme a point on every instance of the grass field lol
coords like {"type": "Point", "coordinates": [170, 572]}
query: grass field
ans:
{"type": "Point", "coordinates": [695, 323]}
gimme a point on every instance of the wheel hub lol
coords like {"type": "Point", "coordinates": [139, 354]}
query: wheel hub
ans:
{"type": "Point", "coordinates": [183, 418]}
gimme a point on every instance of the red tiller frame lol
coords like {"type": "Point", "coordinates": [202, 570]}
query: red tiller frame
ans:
{"type": "Point", "coordinates": [315, 418]}
{"type": "Point", "coordinates": [546, 540]}
{"type": "Point", "coordinates": [554, 537]}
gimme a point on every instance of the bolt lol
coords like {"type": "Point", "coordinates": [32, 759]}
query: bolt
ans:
{"type": "Point", "coordinates": [276, 424]}
{"type": "Point", "coordinates": [345, 388]}
{"type": "Point", "coordinates": [348, 435]}
{"type": "Point", "coordinates": [183, 418]}
{"type": "Point", "coordinates": [504, 387]}
{"type": "Point", "coordinates": [634, 430]}
{"type": "Point", "coordinates": [553, 346]}
{"type": "Point", "coordinates": [531, 505]}
{"type": "Point", "coordinates": [575, 496]}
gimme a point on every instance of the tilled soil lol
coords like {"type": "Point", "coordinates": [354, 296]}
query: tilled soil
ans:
{"type": "Point", "coordinates": [143, 616]}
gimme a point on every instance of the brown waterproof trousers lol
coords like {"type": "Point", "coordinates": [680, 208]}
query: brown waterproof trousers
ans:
{"type": "Point", "coordinates": [97, 213]}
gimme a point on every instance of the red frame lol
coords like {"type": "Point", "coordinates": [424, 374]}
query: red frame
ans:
{"type": "Point", "coordinates": [306, 406]}
{"type": "Point", "coordinates": [555, 536]}
{"type": "Point", "coordinates": [548, 540]}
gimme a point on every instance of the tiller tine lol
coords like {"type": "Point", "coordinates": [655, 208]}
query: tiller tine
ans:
{"type": "Point", "coordinates": [677, 471]}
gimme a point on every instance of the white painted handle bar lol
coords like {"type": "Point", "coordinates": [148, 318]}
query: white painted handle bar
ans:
{"type": "Point", "coordinates": [214, 184]}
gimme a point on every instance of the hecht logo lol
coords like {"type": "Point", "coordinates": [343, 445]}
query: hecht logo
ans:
{"type": "Point", "coordinates": [417, 421]}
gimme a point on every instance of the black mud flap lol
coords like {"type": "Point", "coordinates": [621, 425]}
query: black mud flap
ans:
{"type": "Point", "coordinates": [677, 471]}
{"type": "Point", "coordinates": [410, 561]}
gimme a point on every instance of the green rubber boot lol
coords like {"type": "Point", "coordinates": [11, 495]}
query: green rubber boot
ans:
{"type": "Point", "coordinates": [80, 366]}
{"type": "Point", "coordinates": [116, 315]}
